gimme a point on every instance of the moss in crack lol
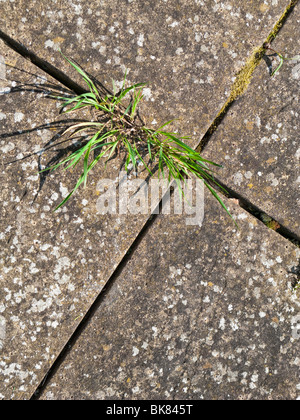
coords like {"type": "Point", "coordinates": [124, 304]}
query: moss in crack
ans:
{"type": "Point", "coordinates": [281, 21]}
{"type": "Point", "coordinates": [244, 76]}
{"type": "Point", "coordinates": [269, 222]}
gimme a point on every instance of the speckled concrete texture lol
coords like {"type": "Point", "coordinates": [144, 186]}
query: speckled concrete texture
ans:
{"type": "Point", "coordinates": [186, 50]}
{"type": "Point", "coordinates": [258, 141]}
{"type": "Point", "coordinates": [195, 314]}
{"type": "Point", "coordinates": [53, 265]}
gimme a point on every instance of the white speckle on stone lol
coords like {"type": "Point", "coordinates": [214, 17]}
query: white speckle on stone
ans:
{"type": "Point", "coordinates": [7, 148]}
{"type": "Point", "coordinates": [248, 175]}
{"type": "Point", "coordinates": [135, 351]}
{"type": "Point", "coordinates": [40, 305]}
{"type": "Point", "coordinates": [2, 116]}
{"type": "Point", "coordinates": [238, 178]}
{"type": "Point", "coordinates": [71, 287]}
{"type": "Point", "coordinates": [77, 8]}
{"type": "Point", "coordinates": [141, 40]}
{"type": "Point", "coordinates": [155, 331]}
{"type": "Point", "coordinates": [242, 216]}
{"type": "Point", "coordinates": [296, 72]}
{"type": "Point", "coordinates": [63, 190]}
{"type": "Point", "coordinates": [222, 324]}
{"type": "Point", "coordinates": [234, 325]}
{"type": "Point", "coordinates": [49, 44]}
{"type": "Point", "coordinates": [95, 44]}
{"type": "Point", "coordinates": [102, 49]}
{"type": "Point", "coordinates": [54, 196]}
{"type": "Point", "coordinates": [198, 37]}
{"type": "Point", "coordinates": [147, 93]}
{"type": "Point", "coordinates": [18, 116]}
{"type": "Point", "coordinates": [179, 51]}
{"type": "Point", "coordinates": [2, 331]}
{"type": "Point", "coordinates": [271, 178]}
{"type": "Point", "coordinates": [62, 263]}
{"type": "Point", "coordinates": [265, 140]}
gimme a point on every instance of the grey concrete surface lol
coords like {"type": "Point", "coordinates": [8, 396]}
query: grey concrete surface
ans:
{"type": "Point", "coordinates": [186, 50]}
{"type": "Point", "coordinates": [53, 266]}
{"type": "Point", "coordinates": [197, 313]}
{"type": "Point", "coordinates": [258, 141]}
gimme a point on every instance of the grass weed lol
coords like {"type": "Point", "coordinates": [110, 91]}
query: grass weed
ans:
{"type": "Point", "coordinates": [118, 128]}
{"type": "Point", "coordinates": [267, 46]}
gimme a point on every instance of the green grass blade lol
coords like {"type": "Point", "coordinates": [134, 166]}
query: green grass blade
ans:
{"type": "Point", "coordinates": [280, 64]}
{"type": "Point", "coordinates": [112, 148]}
{"type": "Point", "coordinates": [220, 201]}
{"type": "Point", "coordinates": [85, 77]}
{"type": "Point", "coordinates": [127, 90]}
{"type": "Point", "coordinates": [164, 125]}
{"type": "Point", "coordinates": [142, 160]}
{"type": "Point", "coordinates": [137, 98]}
{"type": "Point", "coordinates": [85, 164]}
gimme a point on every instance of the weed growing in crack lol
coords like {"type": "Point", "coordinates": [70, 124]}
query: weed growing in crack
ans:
{"type": "Point", "coordinates": [267, 46]}
{"type": "Point", "coordinates": [118, 128]}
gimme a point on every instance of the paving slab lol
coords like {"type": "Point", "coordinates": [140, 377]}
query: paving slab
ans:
{"type": "Point", "coordinates": [187, 50]}
{"type": "Point", "coordinates": [258, 141]}
{"type": "Point", "coordinates": [196, 313]}
{"type": "Point", "coordinates": [53, 265]}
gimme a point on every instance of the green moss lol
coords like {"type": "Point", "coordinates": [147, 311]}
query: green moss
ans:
{"type": "Point", "coordinates": [243, 77]}
{"type": "Point", "coordinates": [282, 20]}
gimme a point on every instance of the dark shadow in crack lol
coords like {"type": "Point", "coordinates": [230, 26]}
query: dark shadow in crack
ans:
{"type": "Point", "coordinates": [49, 91]}
{"type": "Point", "coordinates": [296, 271]}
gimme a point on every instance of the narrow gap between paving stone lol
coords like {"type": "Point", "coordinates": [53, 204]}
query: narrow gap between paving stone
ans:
{"type": "Point", "coordinates": [93, 308]}
{"type": "Point", "coordinates": [238, 88]}
{"type": "Point", "coordinates": [244, 76]}
{"type": "Point", "coordinates": [48, 68]}
{"type": "Point", "coordinates": [259, 214]}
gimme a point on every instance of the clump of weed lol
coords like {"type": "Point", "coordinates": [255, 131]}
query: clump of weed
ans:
{"type": "Point", "coordinates": [118, 128]}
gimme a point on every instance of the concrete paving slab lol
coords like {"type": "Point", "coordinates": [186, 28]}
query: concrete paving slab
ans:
{"type": "Point", "coordinates": [53, 265]}
{"type": "Point", "coordinates": [258, 141]}
{"type": "Point", "coordinates": [187, 50]}
{"type": "Point", "coordinates": [197, 313]}
{"type": "Point", "coordinates": [50, 265]}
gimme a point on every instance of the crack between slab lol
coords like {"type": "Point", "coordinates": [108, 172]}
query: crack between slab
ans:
{"type": "Point", "coordinates": [240, 85]}
{"type": "Point", "coordinates": [48, 68]}
{"type": "Point", "coordinates": [258, 213]}
{"type": "Point", "coordinates": [93, 308]}
{"type": "Point", "coordinates": [244, 76]}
